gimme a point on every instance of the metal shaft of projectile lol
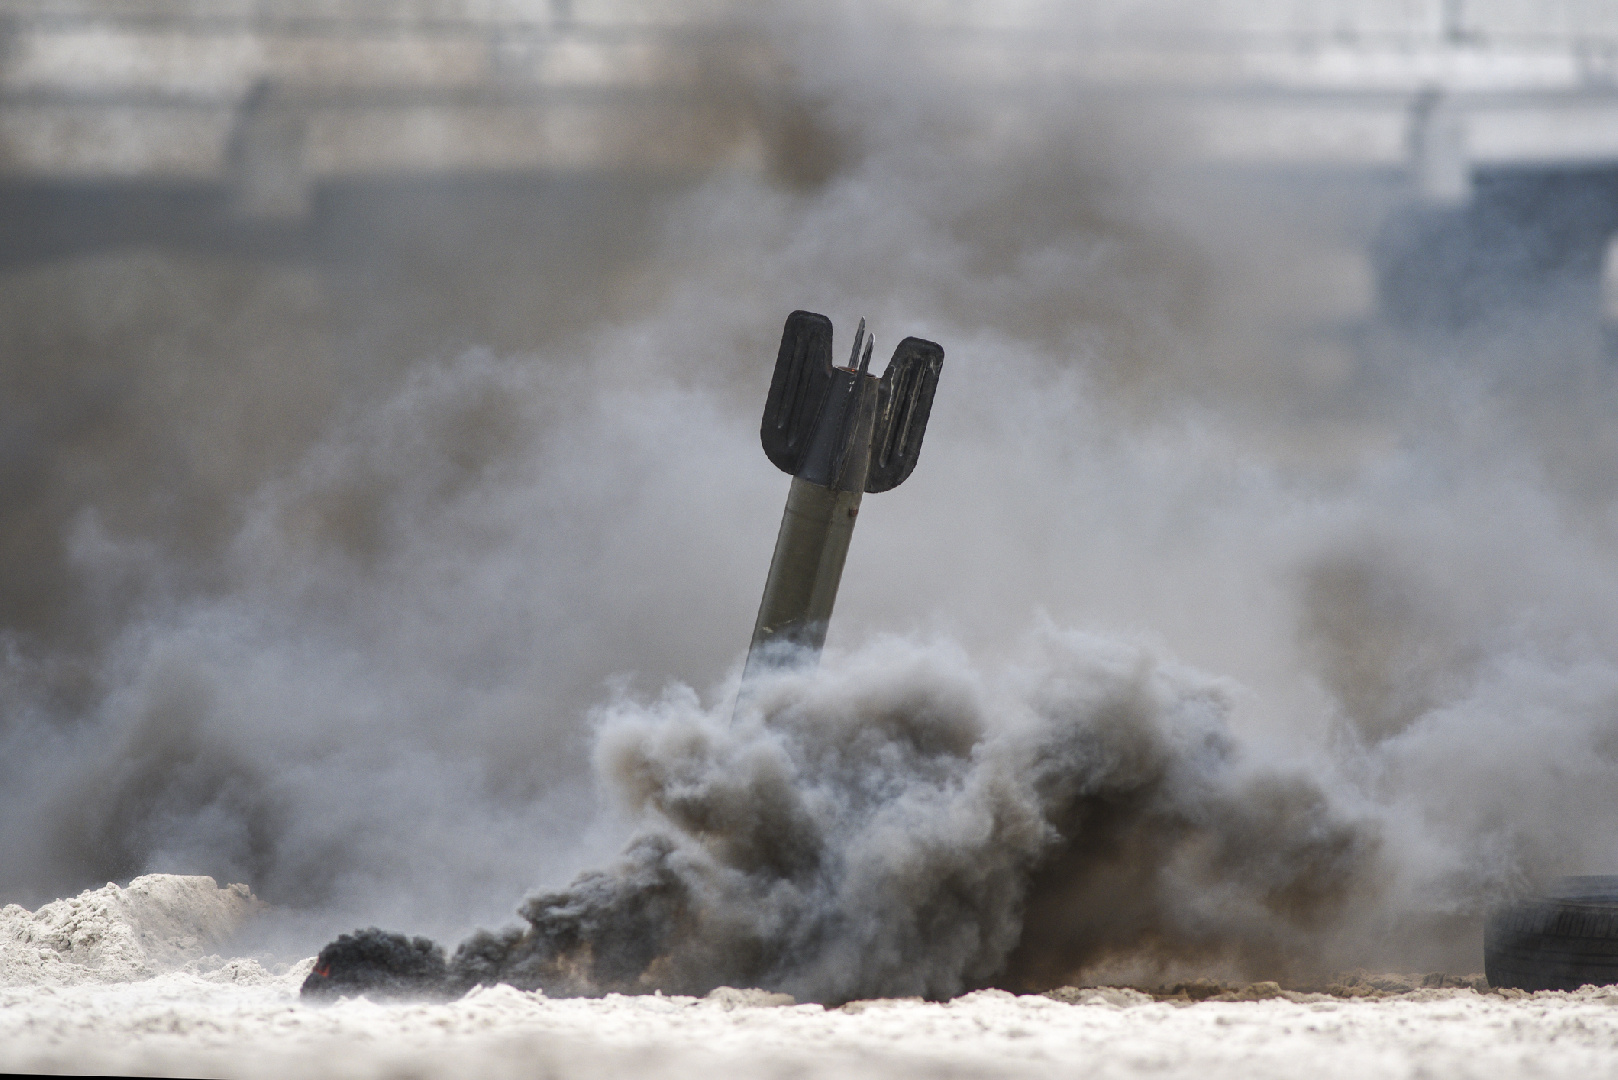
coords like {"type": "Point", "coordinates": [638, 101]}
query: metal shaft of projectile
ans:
{"type": "Point", "coordinates": [840, 433]}
{"type": "Point", "coordinates": [818, 523]}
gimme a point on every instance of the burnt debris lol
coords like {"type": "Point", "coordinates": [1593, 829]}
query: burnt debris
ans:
{"type": "Point", "coordinates": [379, 964]}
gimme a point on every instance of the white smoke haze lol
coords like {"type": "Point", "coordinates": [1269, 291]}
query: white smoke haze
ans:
{"type": "Point", "coordinates": [303, 591]}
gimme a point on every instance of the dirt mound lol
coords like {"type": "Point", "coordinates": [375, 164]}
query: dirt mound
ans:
{"type": "Point", "coordinates": [158, 923]}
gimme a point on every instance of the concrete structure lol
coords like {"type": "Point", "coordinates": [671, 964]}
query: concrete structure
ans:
{"type": "Point", "coordinates": [303, 91]}
{"type": "Point", "coordinates": [345, 88]}
{"type": "Point", "coordinates": [252, 105]}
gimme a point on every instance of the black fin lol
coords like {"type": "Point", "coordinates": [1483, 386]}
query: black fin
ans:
{"type": "Point", "coordinates": [904, 399]}
{"type": "Point", "coordinates": [797, 390]}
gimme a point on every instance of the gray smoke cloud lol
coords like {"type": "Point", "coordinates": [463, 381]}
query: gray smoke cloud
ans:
{"type": "Point", "coordinates": [318, 570]}
{"type": "Point", "coordinates": [902, 822]}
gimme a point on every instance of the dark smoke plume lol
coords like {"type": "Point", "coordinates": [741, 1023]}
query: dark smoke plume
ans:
{"type": "Point", "coordinates": [376, 963]}
{"type": "Point", "coordinates": [904, 823]}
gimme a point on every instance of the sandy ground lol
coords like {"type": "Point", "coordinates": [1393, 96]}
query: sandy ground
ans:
{"type": "Point", "coordinates": [119, 980]}
{"type": "Point", "coordinates": [185, 1025]}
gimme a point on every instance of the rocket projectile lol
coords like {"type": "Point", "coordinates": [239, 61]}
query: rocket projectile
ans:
{"type": "Point", "coordinates": [839, 432]}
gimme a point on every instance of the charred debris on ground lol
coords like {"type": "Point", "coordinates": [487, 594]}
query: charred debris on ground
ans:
{"type": "Point", "coordinates": [380, 964]}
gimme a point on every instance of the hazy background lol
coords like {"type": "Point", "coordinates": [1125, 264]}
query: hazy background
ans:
{"type": "Point", "coordinates": [332, 507]}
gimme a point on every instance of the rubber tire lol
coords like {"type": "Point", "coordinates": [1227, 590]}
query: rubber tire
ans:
{"type": "Point", "coordinates": [1563, 940]}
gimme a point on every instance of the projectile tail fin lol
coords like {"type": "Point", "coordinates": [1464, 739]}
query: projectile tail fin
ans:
{"type": "Point", "coordinates": [798, 390]}
{"type": "Point", "coordinates": [904, 399]}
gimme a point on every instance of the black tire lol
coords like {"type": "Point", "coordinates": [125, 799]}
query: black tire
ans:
{"type": "Point", "coordinates": [1563, 940]}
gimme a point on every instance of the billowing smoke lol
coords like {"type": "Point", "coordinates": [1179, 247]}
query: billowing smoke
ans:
{"type": "Point", "coordinates": [318, 570]}
{"type": "Point", "coordinates": [882, 827]}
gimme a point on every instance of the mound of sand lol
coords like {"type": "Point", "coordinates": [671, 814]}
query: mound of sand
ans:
{"type": "Point", "coordinates": [158, 923]}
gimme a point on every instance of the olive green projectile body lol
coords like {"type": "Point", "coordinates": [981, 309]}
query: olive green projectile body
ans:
{"type": "Point", "coordinates": [840, 432]}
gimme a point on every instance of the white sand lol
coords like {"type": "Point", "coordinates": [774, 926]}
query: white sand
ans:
{"type": "Point", "coordinates": [183, 1025]}
{"type": "Point", "coordinates": [90, 1009]}
{"type": "Point", "coordinates": [159, 923]}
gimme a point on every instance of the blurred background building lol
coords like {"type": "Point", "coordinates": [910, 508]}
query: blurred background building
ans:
{"type": "Point", "coordinates": [250, 122]}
